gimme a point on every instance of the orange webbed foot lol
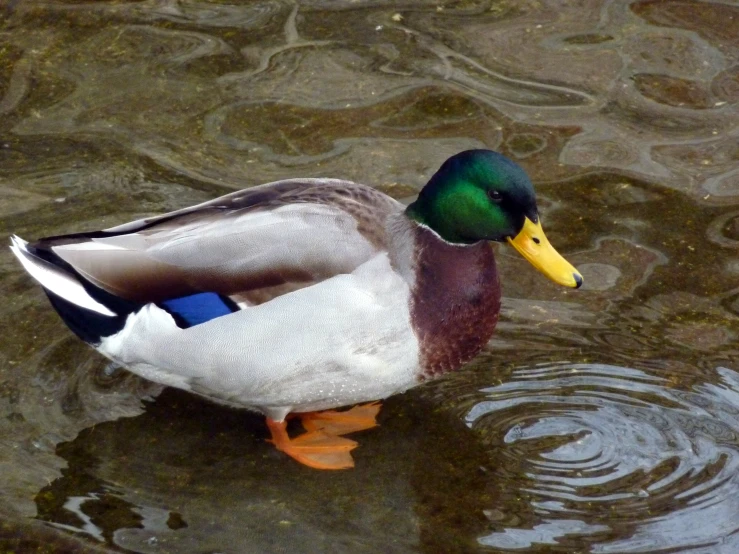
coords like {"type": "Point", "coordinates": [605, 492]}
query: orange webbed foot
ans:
{"type": "Point", "coordinates": [337, 423]}
{"type": "Point", "coordinates": [322, 446]}
{"type": "Point", "coordinates": [314, 449]}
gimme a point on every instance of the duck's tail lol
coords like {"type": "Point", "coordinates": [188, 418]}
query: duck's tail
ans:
{"type": "Point", "coordinates": [89, 311]}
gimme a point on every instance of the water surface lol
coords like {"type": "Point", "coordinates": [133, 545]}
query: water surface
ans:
{"type": "Point", "coordinates": [601, 420]}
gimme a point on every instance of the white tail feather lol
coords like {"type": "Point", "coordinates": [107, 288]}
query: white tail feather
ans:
{"type": "Point", "coordinates": [56, 280]}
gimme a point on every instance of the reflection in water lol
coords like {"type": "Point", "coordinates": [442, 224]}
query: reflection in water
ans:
{"type": "Point", "coordinates": [624, 114]}
{"type": "Point", "coordinates": [187, 471]}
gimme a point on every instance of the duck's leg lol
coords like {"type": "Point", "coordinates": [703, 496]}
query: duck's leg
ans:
{"type": "Point", "coordinates": [332, 422]}
{"type": "Point", "coordinates": [314, 448]}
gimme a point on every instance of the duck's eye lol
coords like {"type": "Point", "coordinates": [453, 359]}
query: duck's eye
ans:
{"type": "Point", "coordinates": [495, 196]}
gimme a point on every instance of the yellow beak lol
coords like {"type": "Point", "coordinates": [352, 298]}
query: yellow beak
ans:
{"type": "Point", "coordinates": [533, 245]}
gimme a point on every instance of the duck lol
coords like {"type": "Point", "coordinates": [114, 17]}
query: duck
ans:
{"type": "Point", "coordinates": [304, 296]}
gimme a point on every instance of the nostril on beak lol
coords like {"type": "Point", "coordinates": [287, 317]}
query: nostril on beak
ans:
{"type": "Point", "coordinates": [536, 240]}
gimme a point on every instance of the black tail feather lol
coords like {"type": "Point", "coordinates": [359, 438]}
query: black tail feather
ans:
{"type": "Point", "coordinates": [88, 325]}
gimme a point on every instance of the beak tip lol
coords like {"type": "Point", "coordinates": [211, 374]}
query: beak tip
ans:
{"type": "Point", "coordinates": [578, 280]}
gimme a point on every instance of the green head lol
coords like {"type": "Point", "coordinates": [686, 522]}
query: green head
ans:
{"type": "Point", "coordinates": [481, 195]}
{"type": "Point", "coordinates": [476, 195]}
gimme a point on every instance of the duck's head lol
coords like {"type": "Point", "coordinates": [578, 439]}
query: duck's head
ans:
{"type": "Point", "coordinates": [482, 195]}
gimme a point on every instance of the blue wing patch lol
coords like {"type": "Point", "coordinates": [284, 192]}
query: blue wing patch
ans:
{"type": "Point", "coordinates": [198, 308]}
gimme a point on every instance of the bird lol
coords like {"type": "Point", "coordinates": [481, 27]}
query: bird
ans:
{"type": "Point", "coordinates": [304, 296]}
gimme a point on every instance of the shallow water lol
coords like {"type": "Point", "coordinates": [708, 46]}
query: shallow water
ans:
{"type": "Point", "coordinates": [600, 420]}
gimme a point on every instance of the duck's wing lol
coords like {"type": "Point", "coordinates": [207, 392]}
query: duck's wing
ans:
{"type": "Point", "coordinates": [250, 245]}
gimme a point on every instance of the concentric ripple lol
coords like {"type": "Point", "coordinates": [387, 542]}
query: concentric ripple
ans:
{"type": "Point", "coordinates": [602, 451]}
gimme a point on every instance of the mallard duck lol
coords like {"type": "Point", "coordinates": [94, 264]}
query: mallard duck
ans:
{"type": "Point", "coordinates": [303, 295]}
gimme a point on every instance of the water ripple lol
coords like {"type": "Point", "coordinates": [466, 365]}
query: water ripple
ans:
{"type": "Point", "coordinates": [599, 449]}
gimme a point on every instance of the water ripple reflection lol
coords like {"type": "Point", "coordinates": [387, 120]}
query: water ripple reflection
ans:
{"type": "Point", "coordinates": [616, 452]}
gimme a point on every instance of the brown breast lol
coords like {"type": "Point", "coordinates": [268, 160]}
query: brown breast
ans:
{"type": "Point", "coordinates": [455, 302]}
